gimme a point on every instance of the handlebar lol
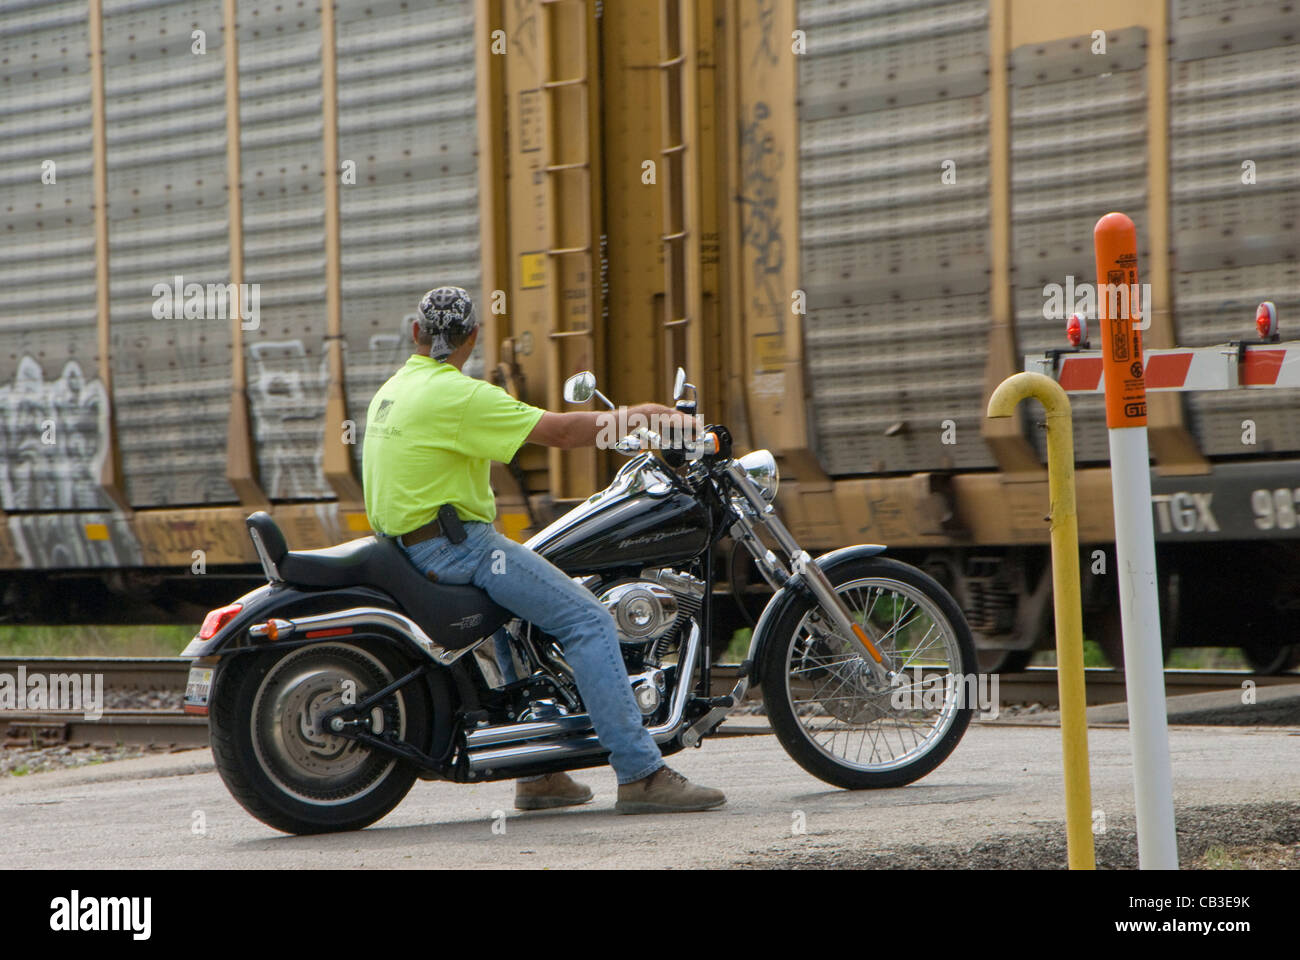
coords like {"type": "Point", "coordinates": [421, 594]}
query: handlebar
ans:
{"type": "Point", "coordinates": [643, 438]}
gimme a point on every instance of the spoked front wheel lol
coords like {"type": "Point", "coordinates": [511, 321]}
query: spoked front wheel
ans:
{"type": "Point", "coordinates": [834, 716]}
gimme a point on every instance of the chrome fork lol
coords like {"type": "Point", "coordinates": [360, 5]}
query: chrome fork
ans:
{"type": "Point", "coordinates": [804, 567]}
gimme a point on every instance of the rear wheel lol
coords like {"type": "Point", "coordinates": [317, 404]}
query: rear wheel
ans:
{"type": "Point", "coordinates": [279, 762]}
{"type": "Point", "coordinates": [829, 711]}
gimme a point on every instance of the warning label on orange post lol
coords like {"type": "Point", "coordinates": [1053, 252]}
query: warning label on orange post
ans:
{"type": "Point", "coordinates": [1119, 312]}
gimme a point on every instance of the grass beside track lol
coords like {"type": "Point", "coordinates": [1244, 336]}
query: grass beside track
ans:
{"type": "Point", "coordinates": [95, 641]}
{"type": "Point", "coordinates": [1180, 658]}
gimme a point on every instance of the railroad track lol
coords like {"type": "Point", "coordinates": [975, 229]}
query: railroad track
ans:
{"type": "Point", "coordinates": [130, 728]}
{"type": "Point", "coordinates": [175, 729]}
{"type": "Point", "coordinates": [120, 673]}
{"type": "Point", "coordinates": [1103, 685]}
{"type": "Point", "coordinates": [115, 727]}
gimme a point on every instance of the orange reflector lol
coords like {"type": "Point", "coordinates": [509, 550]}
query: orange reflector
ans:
{"type": "Point", "coordinates": [335, 632]}
{"type": "Point", "coordinates": [96, 531]}
{"type": "Point", "coordinates": [871, 647]}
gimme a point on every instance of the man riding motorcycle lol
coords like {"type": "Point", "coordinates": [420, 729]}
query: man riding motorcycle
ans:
{"type": "Point", "coordinates": [431, 434]}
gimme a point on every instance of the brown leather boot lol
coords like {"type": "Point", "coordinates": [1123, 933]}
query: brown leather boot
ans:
{"type": "Point", "coordinates": [666, 791]}
{"type": "Point", "coordinates": [552, 790]}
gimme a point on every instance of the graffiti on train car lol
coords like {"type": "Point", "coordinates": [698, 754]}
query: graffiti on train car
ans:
{"type": "Point", "coordinates": [760, 205]}
{"type": "Point", "coordinates": [287, 387]}
{"type": "Point", "coordinates": [73, 541]}
{"type": "Point", "coordinates": [766, 48]}
{"type": "Point", "coordinates": [54, 436]}
{"type": "Point", "coordinates": [524, 35]}
{"type": "Point", "coordinates": [195, 536]}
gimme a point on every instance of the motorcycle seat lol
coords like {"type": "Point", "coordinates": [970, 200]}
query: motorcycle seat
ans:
{"type": "Point", "coordinates": [450, 614]}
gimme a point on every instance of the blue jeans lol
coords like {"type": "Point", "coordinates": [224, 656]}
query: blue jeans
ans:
{"type": "Point", "coordinates": [531, 587]}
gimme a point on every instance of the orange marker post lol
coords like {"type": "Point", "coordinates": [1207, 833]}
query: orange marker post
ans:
{"type": "Point", "coordinates": [1119, 312]}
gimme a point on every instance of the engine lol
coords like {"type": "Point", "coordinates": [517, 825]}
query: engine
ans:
{"type": "Point", "coordinates": [648, 612]}
{"type": "Point", "coordinates": [651, 615]}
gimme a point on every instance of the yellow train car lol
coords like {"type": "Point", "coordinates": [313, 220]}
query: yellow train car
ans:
{"type": "Point", "coordinates": [845, 218]}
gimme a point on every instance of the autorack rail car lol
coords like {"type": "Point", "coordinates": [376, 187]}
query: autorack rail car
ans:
{"type": "Point", "coordinates": [849, 220]}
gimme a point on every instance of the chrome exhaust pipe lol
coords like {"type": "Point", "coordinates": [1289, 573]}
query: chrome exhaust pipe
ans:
{"type": "Point", "coordinates": [534, 730]}
{"type": "Point", "coordinates": [488, 761]}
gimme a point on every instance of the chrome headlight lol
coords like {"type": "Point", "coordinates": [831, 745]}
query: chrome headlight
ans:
{"type": "Point", "coordinates": [760, 465]}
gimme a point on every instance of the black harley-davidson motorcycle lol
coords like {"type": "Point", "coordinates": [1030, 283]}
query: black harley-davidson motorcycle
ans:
{"type": "Point", "coordinates": [331, 688]}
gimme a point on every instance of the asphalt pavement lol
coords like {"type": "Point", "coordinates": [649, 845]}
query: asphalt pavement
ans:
{"type": "Point", "coordinates": [1002, 783]}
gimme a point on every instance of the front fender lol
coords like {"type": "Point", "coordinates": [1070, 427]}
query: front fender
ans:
{"type": "Point", "coordinates": [792, 590]}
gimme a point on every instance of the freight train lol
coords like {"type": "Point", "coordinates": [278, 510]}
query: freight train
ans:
{"type": "Point", "coordinates": [842, 217]}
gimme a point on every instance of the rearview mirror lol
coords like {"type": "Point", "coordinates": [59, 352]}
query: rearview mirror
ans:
{"type": "Point", "coordinates": [679, 384]}
{"type": "Point", "coordinates": [580, 387]}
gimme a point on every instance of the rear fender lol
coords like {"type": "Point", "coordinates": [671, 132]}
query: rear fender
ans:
{"type": "Point", "coordinates": [286, 602]}
{"type": "Point", "coordinates": [793, 590]}
{"type": "Point", "coordinates": [384, 623]}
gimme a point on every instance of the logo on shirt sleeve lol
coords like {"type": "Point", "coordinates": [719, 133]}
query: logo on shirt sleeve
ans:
{"type": "Point", "coordinates": [382, 413]}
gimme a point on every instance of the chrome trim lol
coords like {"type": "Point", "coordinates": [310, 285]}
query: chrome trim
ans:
{"type": "Point", "coordinates": [363, 616]}
{"type": "Point", "coordinates": [692, 734]}
{"type": "Point", "coordinates": [760, 466]}
{"type": "Point", "coordinates": [768, 564]}
{"type": "Point", "coordinates": [682, 584]}
{"type": "Point", "coordinates": [283, 628]}
{"type": "Point", "coordinates": [762, 509]}
{"type": "Point", "coordinates": [268, 565]}
{"type": "Point", "coordinates": [598, 502]}
{"type": "Point", "coordinates": [489, 667]}
{"type": "Point", "coordinates": [514, 732]}
{"type": "Point", "coordinates": [552, 665]}
{"type": "Point", "coordinates": [515, 755]}
{"type": "Point", "coordinates": [628, 482]}
{"type": "Point", "coordinates": [664, 603]}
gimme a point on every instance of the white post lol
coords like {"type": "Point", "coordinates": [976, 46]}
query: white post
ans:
{"type": "Point", "coordinates": [1115, 241]}
{"type": "Point", "coordinates": [1144, 677]}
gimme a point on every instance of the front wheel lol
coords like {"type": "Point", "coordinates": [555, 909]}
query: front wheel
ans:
{"type": "Point", "coordinates": [829, 711]}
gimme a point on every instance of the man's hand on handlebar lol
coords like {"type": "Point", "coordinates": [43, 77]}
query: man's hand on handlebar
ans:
{"type": "Point", "coordinates": [672, 426]}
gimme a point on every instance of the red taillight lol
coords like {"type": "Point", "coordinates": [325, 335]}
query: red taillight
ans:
{"type": "Point", "coordinates": [216, 619]}
{"type": "Point", "coordinates": [1266, 320]}
{"type": "Point", "coordinates": [1076, 331]}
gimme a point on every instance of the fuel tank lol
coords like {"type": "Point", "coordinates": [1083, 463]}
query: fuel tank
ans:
{"type": "Point", "coordinates": [640, 520]}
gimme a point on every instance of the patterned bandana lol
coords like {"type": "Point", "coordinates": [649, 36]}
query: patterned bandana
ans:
{"type": "Point", "coordinates": [446, 313]}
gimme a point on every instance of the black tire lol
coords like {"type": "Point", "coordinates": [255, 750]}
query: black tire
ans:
{"type": "Point", "coordinates": [774, 660]}
{"type": "Point", "coordinates": [1271, 661]}
{"type": "Point", "coordinates": [1003, 661]}
{"type": "Point", "coordinates": [1107, 628]}
{"type": "Point", "coordinates": [256, 767]}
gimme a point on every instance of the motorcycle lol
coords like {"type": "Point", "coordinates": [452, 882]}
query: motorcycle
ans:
{"type": "Point", "coordinates": [348, 675]}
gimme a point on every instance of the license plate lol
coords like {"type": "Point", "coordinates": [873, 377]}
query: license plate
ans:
{"type": "Point", "coordinates": [197, 688]}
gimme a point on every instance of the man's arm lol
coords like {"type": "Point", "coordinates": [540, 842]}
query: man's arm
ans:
{"type": "Point", "coordinates": [581, 429]}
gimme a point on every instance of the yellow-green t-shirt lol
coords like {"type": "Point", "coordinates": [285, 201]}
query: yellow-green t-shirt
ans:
{"type": "Point", "coordinates": [431, 434]}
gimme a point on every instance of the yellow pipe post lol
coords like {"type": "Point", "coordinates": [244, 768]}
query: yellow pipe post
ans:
{"type": "Point", "coordinates": [1065, 600]}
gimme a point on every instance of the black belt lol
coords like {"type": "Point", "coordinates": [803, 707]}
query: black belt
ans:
{"type": "Point", "coordinates": [420, 534]}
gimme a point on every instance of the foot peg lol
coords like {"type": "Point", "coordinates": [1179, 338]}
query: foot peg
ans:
{"type": "Point", "coordinates": [716, 712]}
{"type": "Point", "coordinates": [714, 703]}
